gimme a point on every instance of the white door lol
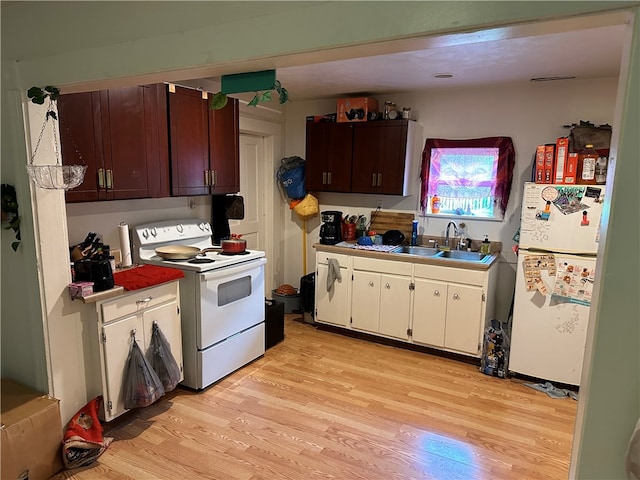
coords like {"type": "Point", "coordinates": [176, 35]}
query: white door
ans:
{"type": "Point", "coordinates": [365, 301]}
{"type": "Point", "coordinates": [253, 178]}
{"type": "Point", "coordinates": [429, 312]}
{"type": "Point", "coordinates": [464, 312]}
{"type": "Point", "coordinates": [395, 305]}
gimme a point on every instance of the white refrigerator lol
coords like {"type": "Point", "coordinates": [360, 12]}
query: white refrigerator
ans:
{"type": "Point", "coordinates": [559, 233]}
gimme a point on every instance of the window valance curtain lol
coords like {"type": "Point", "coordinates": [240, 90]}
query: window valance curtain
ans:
{"type": "Point", "coordinates": [504, 174]}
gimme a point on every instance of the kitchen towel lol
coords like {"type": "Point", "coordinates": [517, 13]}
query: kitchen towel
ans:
{"type": "Point", "coordinates": [334, 273]}
{"type": "Point", "coordinates": [125, 245]}
{"type": "Point", "coordinates": [146, 276]}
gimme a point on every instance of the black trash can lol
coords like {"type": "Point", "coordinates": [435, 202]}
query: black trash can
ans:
{"type": "Point", "coordinates": [308, 297]}
{"type": "Point", "coordinates": [273, 322]}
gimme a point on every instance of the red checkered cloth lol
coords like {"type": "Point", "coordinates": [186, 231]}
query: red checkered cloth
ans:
{"type": "Point", "coordinates": [146, 276]}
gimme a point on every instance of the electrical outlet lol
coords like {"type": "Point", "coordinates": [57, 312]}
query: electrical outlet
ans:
{"type": "Point", "coordinates": [378, 203]}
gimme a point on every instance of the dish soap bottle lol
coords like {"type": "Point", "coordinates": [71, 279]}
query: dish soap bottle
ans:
{"type": "Point", "coordinates": [485, 246]}
{"type": "Point", "coordinates": [435, 204]}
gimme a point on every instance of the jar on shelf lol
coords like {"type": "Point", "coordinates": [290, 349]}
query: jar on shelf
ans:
{"type": "Point", "coordinates": [587, 158]}
{"type": "Point", "coordinates": [388, 108]}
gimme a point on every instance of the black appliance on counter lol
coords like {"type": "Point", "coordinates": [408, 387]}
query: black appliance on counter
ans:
{"type": "Point", "coordinates": [331, 228]}
{"type": "Point", "coordinates": [94, 270]}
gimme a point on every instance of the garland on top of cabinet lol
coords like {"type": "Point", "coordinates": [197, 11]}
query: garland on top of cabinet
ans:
{"type": "Point", "coordinates": [219, 100]}
{"type": "Point", "coordinates": [10, 218]}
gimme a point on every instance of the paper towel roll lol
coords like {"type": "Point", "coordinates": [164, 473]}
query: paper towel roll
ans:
{"type": "Point", "coordinates": [125, 245]}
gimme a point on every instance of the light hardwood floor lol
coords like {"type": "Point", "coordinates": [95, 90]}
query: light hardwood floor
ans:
{"type": "Point", "coordinates": [320, 405]}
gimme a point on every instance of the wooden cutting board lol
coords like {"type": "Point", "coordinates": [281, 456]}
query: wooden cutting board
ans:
{"type": "Point", "coordinates": [383, 221]}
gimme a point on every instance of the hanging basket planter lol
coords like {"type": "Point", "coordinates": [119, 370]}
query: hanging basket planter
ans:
{"type": "Point", "coordinates": [52, 176]}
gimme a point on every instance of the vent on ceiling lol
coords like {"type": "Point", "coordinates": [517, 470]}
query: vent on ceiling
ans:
{"type": "Point", "coordinates": [550, 79]}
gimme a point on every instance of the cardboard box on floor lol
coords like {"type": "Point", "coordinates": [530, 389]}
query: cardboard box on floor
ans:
{"type": "Point", "coordinates": [31, 433]}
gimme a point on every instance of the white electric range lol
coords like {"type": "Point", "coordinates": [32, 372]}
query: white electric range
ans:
{"type": "Point", "coordinates": [221, 299]}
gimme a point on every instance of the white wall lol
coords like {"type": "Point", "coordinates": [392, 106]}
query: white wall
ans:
{"type": "Point", "coordinates": [530, 114]}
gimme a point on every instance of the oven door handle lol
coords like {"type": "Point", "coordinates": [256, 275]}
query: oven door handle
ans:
{"type": "Point", "coordinates": [234, 270]}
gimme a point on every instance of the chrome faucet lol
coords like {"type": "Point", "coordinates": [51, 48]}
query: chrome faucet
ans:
{"type": "Point", "coordinates": [446, 232]}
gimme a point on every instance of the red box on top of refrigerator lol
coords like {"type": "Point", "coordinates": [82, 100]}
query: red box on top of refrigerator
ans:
{"type": "Point", "coordinates": [539, 164]}
{"type": "Point", "coordinates": [356, 109]}
{"type": "Point", "coordinates": [549, 157]}
{"type": "Point", "coordinates": [562, 153]}
{"type": "Point", "coordinates": [571, 169]}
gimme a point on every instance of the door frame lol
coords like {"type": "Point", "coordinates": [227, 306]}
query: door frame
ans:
{"type": "Point", "coordinates": [272, 135]}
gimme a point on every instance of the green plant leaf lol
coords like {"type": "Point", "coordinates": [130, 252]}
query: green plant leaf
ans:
{"type": "Point", "coordinates": [15, 246]}
{"type": "Point", "coordinates": [218, 101]}
{"type": "Point", "coordinates": [53, 92]}
{"type": "Point", "coordinates": [284, 96]}
{"type": "Point", "coordinates": [34, 92]}
{"type": "Point", "coordinates": [254, 101]}
{"type": "Point", "coordinates": [265, 97]}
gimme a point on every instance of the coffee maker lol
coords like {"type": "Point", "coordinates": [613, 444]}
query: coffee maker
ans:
{"type": "Point", "coordinates": [331, 228]}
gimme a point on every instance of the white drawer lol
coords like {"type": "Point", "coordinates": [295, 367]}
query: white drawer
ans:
{"type": "Point", "coordinates": [448, 274]}
{"type": "Point", "coordinates": [382, 266]}
{"type": "Point", "coordinates": [323, 257]}
{"type": "Point", "coordinates": [138, 301]}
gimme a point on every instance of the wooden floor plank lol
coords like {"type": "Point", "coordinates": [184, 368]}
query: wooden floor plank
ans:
{"type": "Point", "coordinates": [325, 406]}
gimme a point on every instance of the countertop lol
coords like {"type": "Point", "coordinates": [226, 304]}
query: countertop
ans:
{"type": "Point", "coordinates": [404, 257]}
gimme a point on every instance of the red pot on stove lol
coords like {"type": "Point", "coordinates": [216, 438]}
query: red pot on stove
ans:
{"type": "Point", "coordinates": [234, 245]}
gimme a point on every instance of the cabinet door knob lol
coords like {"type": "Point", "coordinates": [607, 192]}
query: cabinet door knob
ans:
{"type": "Point", "coordinates": [109, 180]}
{"type": "Point", "coordinates": [324, 178]}
{"type": "Point", "coordinates": [370, 283]}
{"type": "Point", "coordinates": [101, 177]}
{"type": "Point", "coordinates": [436, 293]}
{"type": "Point", "coordinates": [386, 285]}
{"type": "Point", "coordinates": [456, 296]}
{"type": "Point", "coordinates": [206, 178]}
{"type": "Point", "coordinates": [373, 180]}
{"type": "Point", "coordinates": [379, 179]}
{"type": "Point", "coordinates": [214, 177]}
{"type": "Point", "coordinates": [329, 178]}
{"type": "Point", "coordinates": [145, 300]}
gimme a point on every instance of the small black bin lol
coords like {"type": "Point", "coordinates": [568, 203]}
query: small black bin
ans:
{"type": "Point", "coordinates": [308, 297]}
{"type": "Point", "coordinates": [274, 323]}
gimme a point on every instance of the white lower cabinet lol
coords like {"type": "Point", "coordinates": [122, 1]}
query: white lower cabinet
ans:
{"type": "Point", "coordinates": [448, 315]}
{"type": "Point", "coordinates": [444, 307]}
{"type": "Point", "coordinates": [132, 316]}
{"type": "Point", "coordinates": [332, 305]}
{"type": "Point", "coordinates": [381, 297]}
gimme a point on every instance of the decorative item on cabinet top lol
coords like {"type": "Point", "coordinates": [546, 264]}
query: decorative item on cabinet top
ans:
{"type": "Point", "coordinates": [262, 83]}
{"type": "Point", "coordinates": [52, 176]}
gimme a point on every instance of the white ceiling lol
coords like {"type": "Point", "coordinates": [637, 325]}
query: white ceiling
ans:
{"type": "Point", "coordinates": [585, 47]}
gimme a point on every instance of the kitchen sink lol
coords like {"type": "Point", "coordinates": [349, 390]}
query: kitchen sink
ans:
{"type": "Point", "coordinates": [463, 256]}
{"type": "Point", "coordinates": [415, 250]}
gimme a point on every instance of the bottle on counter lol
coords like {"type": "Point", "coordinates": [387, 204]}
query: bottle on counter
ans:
{"type": "Point", "coordinates": [414, 233]}
{"type": "Point", "coordinates": [587, 159]}
{"type": "Point", "coordinates": [485, 246]}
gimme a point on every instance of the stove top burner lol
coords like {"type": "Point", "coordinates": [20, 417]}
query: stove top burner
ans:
{"type": "Point", "coordinates": [246, 252]}
{"type": "Point", "coordinates": [201, 260]}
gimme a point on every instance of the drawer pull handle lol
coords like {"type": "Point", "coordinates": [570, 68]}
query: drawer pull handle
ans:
{"type": "Point", "coordinates": [145, 300]}
{"type": "Point", "coordinates": [370, 283]}
{"type": "Point", "coordinates": [329, 178]}
{"type": "Point", "coordinates": [436, 293]}
{"type": "Point", "coordinates": [456, 296]}
{"type": "Point", "coordinates": [387, 285]}
{"type": "Point", "coordinates": [373, 180]}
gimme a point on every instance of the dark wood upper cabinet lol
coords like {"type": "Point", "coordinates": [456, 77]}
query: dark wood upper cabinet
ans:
{"type": "Point", "coordinates": [361, 157]}
{"type": "Point", "coordinates": [224, 148]}
{"type": "Point", "coordinates": [189, 142]}
{"type": "Point", "coordinates": [328, 156]}
{"type": "Point", "coordinates": [122, 136]}
{"type": "Point", "coordinates": [379, 151]}
{"type": "Point", "coordinates": [81, 142]}
{"type": "Point", "coordinates": [204, 144]}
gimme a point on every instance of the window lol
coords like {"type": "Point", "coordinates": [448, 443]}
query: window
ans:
{"type": "Point", "coordinates": [468, 178]}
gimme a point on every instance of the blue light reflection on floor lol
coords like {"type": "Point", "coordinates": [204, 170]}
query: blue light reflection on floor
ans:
{"type": "Point", "coordinates": [447, 459]}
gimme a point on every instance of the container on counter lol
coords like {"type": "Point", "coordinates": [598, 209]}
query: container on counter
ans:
{"type": "Point", "coordinates": [601, 169]}
{"type": "Point", "coordinates": [587, 166]}
{"type": "Point", "coordinates": [485, 246]}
